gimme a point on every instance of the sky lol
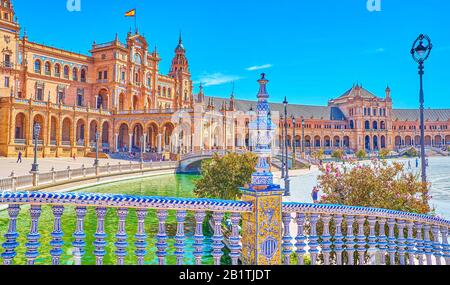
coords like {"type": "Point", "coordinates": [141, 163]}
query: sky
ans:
{"type": "Point", "coordinates": [312, 51]}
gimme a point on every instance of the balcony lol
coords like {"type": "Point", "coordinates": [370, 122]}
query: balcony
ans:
{"type": "Point", "coordinates": [20, 141]}
{"type": "Point", "coordinates": [7, 65]}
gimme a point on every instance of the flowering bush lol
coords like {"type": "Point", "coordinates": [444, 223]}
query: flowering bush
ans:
{"type": "Point", "coordinates": [376, 184]}
{"type": "Point", "coordinates": [338, 154]}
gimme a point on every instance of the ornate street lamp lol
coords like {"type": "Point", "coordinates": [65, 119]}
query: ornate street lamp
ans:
{"type": "Point", "coordinates": [142, 148]}
{"type": "Point", "coordinates": [96, 162]}
{"type": "Point", "coordinates": [286, 174]}
{"type": "Point", "coordinates": [36, 132]}
{"type": "Point", "coordinates": [303, 138]}
{"type": "Point", "coordinates": [420, 54]}
{"type": "Point", "coordinates": [294, 154]}
{"type": "Point", "coordinates": [282, 146]}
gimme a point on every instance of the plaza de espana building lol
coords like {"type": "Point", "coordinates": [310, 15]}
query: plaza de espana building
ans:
{"type": "Point", "coordinates": [119, 94]}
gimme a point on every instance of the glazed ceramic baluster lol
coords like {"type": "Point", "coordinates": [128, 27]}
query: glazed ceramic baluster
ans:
{"type": "Point", "coordinates": [313, 238]}
{"type": "Point", "coordinates": [287, 239]}
{"type": "Point", "coordinates": [392, 241]}
{"type": "Point", "coordinates": [401, 241]}
{"type": "Point", "coordinates": [350, 240]}
{"type": "Point", "coordinates": [235, 239]}
{"type": "Point", "coordinates": [11, 236]}
{"type": "Point", "coordinates": [382, 239]}
{"type": "Point", "coordinates": [428, 244]}
{"type": "Point", "coordinates": [140, 236]}
{"type": "Point", "coordinates": [121, 236]}
{"type": "Point", "coordinates": [436, 245]}
{"type": "Point", "coordinates": [217, 237]}
{"type": "Point", "coordinates": [338, 237]}
{"type": "Point", "coordinates": [361, 240]}
{"type": "Point", "coordinates": [301, 238]}
{"type": "Point", "coordinates": [410, 242]}
{"type": "Point", "coordinates": [326, 237]}
{"type": "Point", "coordinates": [372, 240]}
{"type": "Point", "coordinates": [80, 236]}
{"type": "Point", "coordinates": [445, 245]}
{"type": "Point", "coordinates": [100, 236]}
{"type": "Point", "coordinates": [199, 237]}
{"type": "Point", "coordinates": [161, 243]}
{"type": "Point", "coordinates": [33, 237]}
{"type": "Point", "coordinates": [57, 235]}
{"type": "Point", "coordinates": [419, 243]}
{"type": "Point", "coordinates": [180, 238]}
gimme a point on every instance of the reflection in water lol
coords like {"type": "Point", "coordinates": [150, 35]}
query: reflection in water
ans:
{"type": "Point", "coordinates": [438, 175]}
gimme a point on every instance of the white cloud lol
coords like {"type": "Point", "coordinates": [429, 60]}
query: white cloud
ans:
{"type": "Point", "coordinates": [259, 67]}
{"type": "Point", "coordinates": [374, 51]}
{"type": "Point", "coordinates": [211, 79]}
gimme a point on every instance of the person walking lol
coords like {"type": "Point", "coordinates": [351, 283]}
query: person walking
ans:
{"type": "Point", "coordinates": [19, 157]}
{"type": "Point", "coordinates": [409, 165]}
{"type": "Point", "coordinates": [315, 195]}
{"type": "Point", "coordinates": [417, 163]}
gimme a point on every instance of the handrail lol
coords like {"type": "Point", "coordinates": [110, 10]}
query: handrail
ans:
{"type": "Point", "coordinates": [124, 201]}
{"type": "Point", "coordinates": [293, 207]}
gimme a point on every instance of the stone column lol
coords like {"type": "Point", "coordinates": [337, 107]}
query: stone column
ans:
{"type": "Point", "coordinates": [130, 142]}
{"type": "Point", "coordinates": [159, 143]}
{"type": "Point", "coordinates": [145, 143]}
{"type": "Point", "coordinates": [116, 142]}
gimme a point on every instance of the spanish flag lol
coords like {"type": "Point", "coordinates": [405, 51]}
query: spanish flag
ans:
{"type": "Point", "coordinates": [131, 13]}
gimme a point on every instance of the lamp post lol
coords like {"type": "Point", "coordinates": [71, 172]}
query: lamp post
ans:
{"type": "Point", "coordinates": [36, 132]}
{"type": "Point", "coordinates": [286, 174]}
{"type": "Point", "coordinates": [142, 148]}
{"type": "Point", "coordinates": [282, 146]}
{"type": "Point", "coordinates": [420, 54]}
{"type": "Point", "coordinates": [303, 138]}
{"type": "Point", "coordinates": [294, 147]}
{"type": "Point", "coordinates": [96, 162]}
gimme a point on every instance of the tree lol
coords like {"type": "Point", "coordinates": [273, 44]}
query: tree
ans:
{"type": "Point", "coordinates": [223, 176]}
{"type": "Point", "coordinates": [384, 153]}
{"type": "Point", "coordinates": [361, 154]}
{"type": "Point", "coordinates": [448, 148]}
{"type": "Point", "coordinates": [318, 155]}
{"type": "Point", "coordinates": [412, 152]}
{"type": "Point", "coordinates": [338, 154]}
{"type": "Point", "coordinates": [377, 185]}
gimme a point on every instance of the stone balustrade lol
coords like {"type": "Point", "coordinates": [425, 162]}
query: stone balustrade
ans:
{"type": "Point", "coordinates": [335, 234]}
{"type": "Point", "coordinates": [313, 234]}
{"type": "Point", "coordinates": [121, 204]}
{"type": "Point", "coordinates": [14, 183]}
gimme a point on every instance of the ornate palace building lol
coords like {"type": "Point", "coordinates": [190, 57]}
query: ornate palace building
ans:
{"type": "Point", "coordinates": [119, 93]}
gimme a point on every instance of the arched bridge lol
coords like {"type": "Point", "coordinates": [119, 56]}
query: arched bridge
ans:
{"type": "Point", "coordinates": [191, 162]}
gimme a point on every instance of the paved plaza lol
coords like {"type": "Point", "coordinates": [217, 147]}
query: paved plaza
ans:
{"type": "Point", "coordinates": [7, 165]}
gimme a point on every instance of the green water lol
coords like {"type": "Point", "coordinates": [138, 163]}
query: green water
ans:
{"type": "Point", "coordinates": [167, 186]}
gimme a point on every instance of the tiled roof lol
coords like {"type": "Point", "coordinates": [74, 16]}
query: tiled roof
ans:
{"type": "Point", "coordinates": [413, 114]}
{"type": "Point", "coordinates": [358, 90]}
{"type": "Point", "coordinates": [307, 112]}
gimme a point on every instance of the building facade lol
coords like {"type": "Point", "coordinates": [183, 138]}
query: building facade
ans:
{"type": "Point", "coordinates": [119, 93]}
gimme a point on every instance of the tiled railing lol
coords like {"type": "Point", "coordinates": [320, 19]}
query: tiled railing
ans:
{"type": "Point", "coordinates": [122, 205]}
{"type": "Point", "coordinates": [335, 234]}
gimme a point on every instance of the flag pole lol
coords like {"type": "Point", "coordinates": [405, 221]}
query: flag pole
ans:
{"type": "Point", "coordinates": [135, 20]}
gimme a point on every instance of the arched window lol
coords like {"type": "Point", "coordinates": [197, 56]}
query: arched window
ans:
{"type": "Point", "coordinates": [367, 125]}
{"type": "Point", "coordinates": [137, 59]}
{"type": "Point", "coordinates": [66, 72]}
{"type": "Point", "coordinates": [75, 74]}
{"type": "Point", "coordinates": [83, 75]}
{"type": "Point", "coordinates": [352, 124]}
{"type": "Point", "coordinates": [37, 66]}
{"type": "Point", "coordinates": [57, 70]}
{"type": "Point", "coordinates": [47, 68]}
